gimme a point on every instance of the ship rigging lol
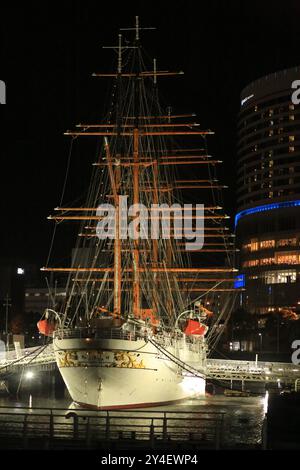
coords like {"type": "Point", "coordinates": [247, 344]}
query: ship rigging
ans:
{"type": "Point", "coordinates": [131, 301]}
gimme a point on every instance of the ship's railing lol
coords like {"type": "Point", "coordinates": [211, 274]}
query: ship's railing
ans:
{"type": "Point", "coordinates": [47, 427]}
{"type": "Point", "coordinates": [98, 333]}
{"type": "Point", "coordinates": [120, 333]}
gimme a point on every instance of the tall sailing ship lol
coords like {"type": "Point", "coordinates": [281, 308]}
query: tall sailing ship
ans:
{"type": "Point", "coordinates": [140, 314]}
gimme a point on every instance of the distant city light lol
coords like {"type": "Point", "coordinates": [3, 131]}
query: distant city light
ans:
{"type": "Point", "coordinates": [29, 375]}
{"type": "Point", "coordinates": [20, 271]}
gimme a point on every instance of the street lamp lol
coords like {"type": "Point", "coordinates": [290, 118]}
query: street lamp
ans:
{"type": "Point", "coordinates": [7, 304]}
{"type": "Point", "coordinates": [29, 375]}
{"type": "Point", "coordinates": [260, 337]}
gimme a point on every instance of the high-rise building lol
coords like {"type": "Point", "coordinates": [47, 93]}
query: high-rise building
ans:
{"type": "Point", "coordinates": [268, 194]}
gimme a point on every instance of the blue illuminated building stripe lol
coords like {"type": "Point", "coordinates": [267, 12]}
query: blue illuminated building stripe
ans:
{"type": "Point", "coordinates": [266, 207]}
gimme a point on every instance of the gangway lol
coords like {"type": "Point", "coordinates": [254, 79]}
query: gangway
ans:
{"type": "Point", "coordinates": [42, 357]}
{"type": "Point", "coordinates": [253, 371]}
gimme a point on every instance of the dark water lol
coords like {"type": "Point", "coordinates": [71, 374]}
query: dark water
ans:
{"type": "Point", "coordinates": [243, 417]}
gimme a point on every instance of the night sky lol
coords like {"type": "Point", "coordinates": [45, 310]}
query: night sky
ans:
{"type": "Point", "coordinates": [48, 52]}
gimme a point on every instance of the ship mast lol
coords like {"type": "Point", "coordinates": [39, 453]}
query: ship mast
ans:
{"type": "Point", "coordinates": [115, 181]}
{"type": "Point", "coordinates": [137, 162]}
{"type": "Point", "coordinates": [115, 178]}
{"type": "Point", "coordinates": [136, 194]}
{"type": "Point", "coordinates": [136, 257]}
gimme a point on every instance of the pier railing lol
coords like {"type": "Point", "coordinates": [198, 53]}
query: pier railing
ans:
{"type": "Point", "coordinates": [51, 428]}
{"type": "Point", "coordinates": [252, 371]}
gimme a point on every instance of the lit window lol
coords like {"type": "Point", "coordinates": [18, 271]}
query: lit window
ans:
{"type": "Point", "coordinates": [285, 277]}
{"type": "Point", "coordinates": [287, 258]}
{"type": "Point", "coordinates": [267, 244]}
{"type": "Point", "coordinates": [291, 138]}
{"type": "Point", "coordinates": [287, 242]}
{"type": "Point", "coordinates": [20, 271]}
{"type": "Point", "coordinates": [266, 261]}
{"type": "Point", "coordinates": [280, 277]}
{"type": "Point", "coordinates": [291, 148]}
{"type": "Point", "coordinates": [254, 245]}
{"type": "Point", "coordinates": [250, 263]}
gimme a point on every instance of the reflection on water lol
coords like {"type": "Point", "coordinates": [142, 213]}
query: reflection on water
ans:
{"type": "Point", "coordinates": [243, 417]}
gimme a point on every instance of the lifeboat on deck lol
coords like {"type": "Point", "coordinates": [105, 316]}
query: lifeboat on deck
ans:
{"type": "Point", "coordinates": [194, 327]}
{"type": "Point", "coordinates": [48, 323]}
{"type": "Point", "coordinates": [46, 327]}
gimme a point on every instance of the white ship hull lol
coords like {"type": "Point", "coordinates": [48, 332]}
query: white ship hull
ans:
{"type": "Point", "coordinates": [119, 373]}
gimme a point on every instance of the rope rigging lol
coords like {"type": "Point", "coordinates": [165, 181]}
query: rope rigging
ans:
{"type": "Point", "coordinates": [136, 105]}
